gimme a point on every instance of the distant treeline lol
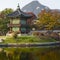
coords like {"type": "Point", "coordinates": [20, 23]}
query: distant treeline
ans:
{"type": "Point", "coordinates": [48, 20]}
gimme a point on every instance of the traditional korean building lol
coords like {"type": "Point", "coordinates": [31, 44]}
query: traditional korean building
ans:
{"type": "Point", "coordinates": [20, 21]}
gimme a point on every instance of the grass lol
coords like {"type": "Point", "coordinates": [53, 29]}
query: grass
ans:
{"type": "Point", "coordinates": [2, 36]}
{"type": "Point", "coordinates": [27, 39]}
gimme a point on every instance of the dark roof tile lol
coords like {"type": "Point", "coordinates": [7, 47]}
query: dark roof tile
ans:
{"type": "Point", "coordinates": [18, 13]}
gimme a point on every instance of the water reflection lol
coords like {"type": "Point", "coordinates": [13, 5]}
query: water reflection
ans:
{"type": "Point", "coordinates": [30, 53]}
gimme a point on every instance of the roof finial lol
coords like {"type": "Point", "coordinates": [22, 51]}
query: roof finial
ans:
{"type": "Point", "coordinates": [18, 6]}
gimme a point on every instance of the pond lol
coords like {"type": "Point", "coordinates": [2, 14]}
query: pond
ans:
{"type": "Point", "coordinates": [50, 53]}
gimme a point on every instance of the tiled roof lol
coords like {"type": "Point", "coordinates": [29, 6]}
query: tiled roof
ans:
{"type": "Point", "coordinates": [18, 13]}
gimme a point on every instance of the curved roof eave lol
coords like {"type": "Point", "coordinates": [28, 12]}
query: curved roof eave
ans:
{"type": "Point", "coordinates": [17, 13]}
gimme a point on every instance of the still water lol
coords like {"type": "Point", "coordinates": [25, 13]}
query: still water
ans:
{"type": "Point", "coordinates": [30, 53]}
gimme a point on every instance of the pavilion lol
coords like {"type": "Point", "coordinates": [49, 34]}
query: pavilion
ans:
{"type": "Point", "coordinates": [20, 21]}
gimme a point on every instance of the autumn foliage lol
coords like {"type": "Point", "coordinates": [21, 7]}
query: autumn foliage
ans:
{"type": "Point", "coordinates": [48, 20]}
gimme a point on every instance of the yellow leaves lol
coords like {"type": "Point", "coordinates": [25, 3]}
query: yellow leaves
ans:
{"type": "Point", "coordinates": [48, 20]}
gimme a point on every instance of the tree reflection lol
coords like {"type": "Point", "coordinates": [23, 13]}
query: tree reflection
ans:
{"type": "Point", "coordinates": [30, 54]}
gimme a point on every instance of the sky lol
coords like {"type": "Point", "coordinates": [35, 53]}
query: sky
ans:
{"type": "Point", "coordinates": [53, 4]}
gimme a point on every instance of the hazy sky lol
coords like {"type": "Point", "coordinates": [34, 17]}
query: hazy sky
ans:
{"type": "Point", "coordinates": [53, 4]}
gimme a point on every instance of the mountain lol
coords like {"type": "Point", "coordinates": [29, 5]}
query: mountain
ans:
{"type": "Point", "coordinates": [34, 7]}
